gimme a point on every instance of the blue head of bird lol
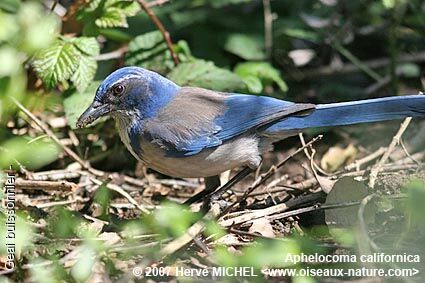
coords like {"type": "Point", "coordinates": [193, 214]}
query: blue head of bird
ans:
{"type": "Point", "coordinates": [129, 92]}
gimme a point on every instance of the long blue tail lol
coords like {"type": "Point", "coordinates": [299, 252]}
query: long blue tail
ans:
{"type": "Point", "coordinates": [355, 112]}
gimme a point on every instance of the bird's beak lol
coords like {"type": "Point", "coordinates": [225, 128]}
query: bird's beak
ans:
{"type": "Point", "coordinates": [95, 111]}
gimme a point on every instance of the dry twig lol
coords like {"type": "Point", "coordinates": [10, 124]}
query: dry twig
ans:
{"type": "Point", "coordinates": [52, 136]}
{"type": "Point", "coordinates": [145, 7]}
{"type": "Point", "coordinates": [396, 140]}
{"type": "Point", "coordinates": [45, 185]}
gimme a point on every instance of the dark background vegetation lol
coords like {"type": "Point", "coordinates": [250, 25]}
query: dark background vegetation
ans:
{"type": "Point", "coordinates": [54, 54]}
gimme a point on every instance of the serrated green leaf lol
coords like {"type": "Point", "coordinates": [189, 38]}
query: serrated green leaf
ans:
{"type": "Point", "coordinates": [205, 74]}
{"type": "Point", "coordinates": [245, 46]}
{"type": "Point", "coordinates": [56, 63]}
{"type": "Point", "coordinates": [68, 59]}
{"type": "Point", "coordinates": [129, 8]}
{"type": "Point", "coordinates": [111, 18]}
{"type": "Point", "coordinates": [262, 70]}
{"type": "Point", "coordinates": [108, 13]}
{"type": "Point", "coordinates": [87, 45]}
{"type": "Point", "coordinates": [84, 73]}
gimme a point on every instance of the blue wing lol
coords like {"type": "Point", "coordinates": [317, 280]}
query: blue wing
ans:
{"type": "Point", "coordinates": [198, 118]}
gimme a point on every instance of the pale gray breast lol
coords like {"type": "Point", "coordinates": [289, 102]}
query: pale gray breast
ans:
{"type": "Point", "coordinates": [242, 151]}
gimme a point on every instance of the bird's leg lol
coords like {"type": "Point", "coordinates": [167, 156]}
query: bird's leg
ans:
{"type": "Point", "coordinates": [211, 184]}
{"type": "Point", "coordinates": [236, 179]}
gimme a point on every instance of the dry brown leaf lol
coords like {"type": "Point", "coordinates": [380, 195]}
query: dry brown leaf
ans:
{"type": "Point", "coordinates": [263, 227]}
{"type": "Point", "coordinates": [326, 183]}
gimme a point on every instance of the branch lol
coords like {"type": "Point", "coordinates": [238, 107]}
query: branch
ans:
{"type": "Point", "coordinates": [156, 3]}
{"type": "Point", "coordinates": [146, 7]}
{"type": "Point", "coordinates": [52, 136]}
{"type": "Point", "coordinates": [112, 55]}
{"type": "Point", "coordinates": [396, 140]}
{"type": "Point", "coordinates": [45, 185]}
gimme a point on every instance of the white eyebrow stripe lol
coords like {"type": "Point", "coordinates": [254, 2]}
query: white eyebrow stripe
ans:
{"type": "Point", "coordinates": [129, 76]}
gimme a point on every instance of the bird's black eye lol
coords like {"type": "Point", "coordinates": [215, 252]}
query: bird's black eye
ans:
{"type": "Point", "coordinates": [118, 89]}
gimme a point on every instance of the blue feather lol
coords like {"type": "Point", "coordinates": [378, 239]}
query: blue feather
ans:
{"type": "Point", "coordinates": [248, 112]}
{"type": "Point", "coordinates": [355, 112]}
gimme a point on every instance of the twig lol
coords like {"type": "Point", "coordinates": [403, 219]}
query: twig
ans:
{"type": "Point", "coordinates": [45, 185]}
{"type": "Point", "coordinates": [416, 156]}
{"type": "Point", "coordinates": [112, 55]}
{"type": "Point", "coordinates": [54, 175]}
{"type": "Point", "coordinates": [357, 163]}
{"type": "Point", "coordinates": [396, 140]}
{"type": "Point", "coordinates": [310, 156]}
{"type": "Point", "coordinates": [123, 193]}
{"type": "Point", "coordinates": [403, 146]}
{"type": "Point", "coordinates": [347, 54]}
{"type": "Point", "coordinates": [72, 10]}
{"type": "Point", "coordinates": [145, 7]}
{"type": "Point", "coordinates": [157, 3]}
{"type": "Point", "coordinates": [306, 184]}
{"type": "Point", "coordinates": [51, 135]}
{"type": "Point", "coordinates": [259, 213]}
{"type": "Point", "coordinates": [55, 2]}
{"type": "Point", "coordinates": [63, 202]}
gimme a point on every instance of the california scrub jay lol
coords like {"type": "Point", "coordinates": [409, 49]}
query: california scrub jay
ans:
{"type": "Point", "coordinates": [195, 132]}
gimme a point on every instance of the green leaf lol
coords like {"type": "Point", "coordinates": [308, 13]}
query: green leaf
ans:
{"type": "Point", "coordinates": [253, 83]}
{"type": "Point", "coordinates": [205, 74]}
{"type": "Point", "coordinates": [87, 45]}
{"type": "Point", "coordinates": [301, 34]}
{"type": "Point", "coordinates": [245, 46]}
{"type": "Point", "coordinates": [150, 51]}
{"type": "Point", "coordinates": [389, 4]}
{"type": "Point", "coordinates": [68, 59]}
{"type": "Point", "coordinates": [77, 102]}
{"type": "Point", "coordinates": [409, 70]}
{"type": "Point", "coordinates": [108, 13]}
{"type": "Point", "coordinates": [32, 153]}
{"type": "Point", "coordinates": [111, 18]}
{"type": "Point", "coordinates": [263, 71]}
{"type": "Point", "coordinates": [39, 30]}
{"type": "Point", "coordinates": [85, 72]}
{"type": "Point", "coordinates": [56, 63]}
{"type": "Point", "coordinates": [8, 26]}
{"type": "Point", "coordinates": [10, 6]}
